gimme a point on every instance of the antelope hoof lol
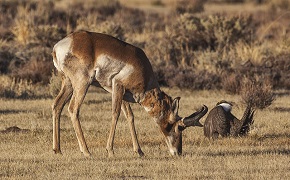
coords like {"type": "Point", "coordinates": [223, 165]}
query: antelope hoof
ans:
{"type": "Point", "coordinates": [110, 153]}
{"type": "Point", "coordinates": [57, 151]}
{"type": "Point", "coordinates": [140, 153]}
{"type": "Point", "coordinates": [87, 154]}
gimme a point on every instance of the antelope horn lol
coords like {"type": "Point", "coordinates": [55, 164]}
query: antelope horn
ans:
{"type": "Point", "coordinates": [193, 120]}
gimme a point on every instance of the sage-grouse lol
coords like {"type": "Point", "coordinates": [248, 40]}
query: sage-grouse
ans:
{"type": "Point", "coordinates": [220, 121]}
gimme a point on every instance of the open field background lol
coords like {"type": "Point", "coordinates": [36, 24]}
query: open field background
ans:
{"type": "Point", "coordinates": [264, 154]}
{"type": "Point", "coordinates": [203, 51]}
{"type": "Point", "coordinates": [192, 44]}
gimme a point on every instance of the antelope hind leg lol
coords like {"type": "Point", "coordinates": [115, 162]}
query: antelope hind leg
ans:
{"type": "Point", "coordinates": [80, 88]}
{"type": "Point", "coordinates": [57, 107]}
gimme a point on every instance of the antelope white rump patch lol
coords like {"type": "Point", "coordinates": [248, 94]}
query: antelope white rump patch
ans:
{"type": "Point", "coordinates": [62, 48]}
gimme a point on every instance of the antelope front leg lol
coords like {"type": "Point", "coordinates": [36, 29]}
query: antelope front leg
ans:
{"type": "Point", "coordinates": [57, 107]}
{"type": "Point", "coordinates": [117, 96]}
{"type": "Point", "coordinates": [130, 117]}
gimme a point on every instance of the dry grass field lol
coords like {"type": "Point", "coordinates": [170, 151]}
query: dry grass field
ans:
{"type": "Point", "coordinates": [202, 51]}
{"type": "Point", "coordinates": [263, 154]}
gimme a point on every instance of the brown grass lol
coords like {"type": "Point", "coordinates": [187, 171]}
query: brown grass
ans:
{"type": "Point", "coordinates": [212, 48]}
{"type": "Point", "coordinates": [263, 154]}
{"type": "Point", "coordinates": [21, 89]}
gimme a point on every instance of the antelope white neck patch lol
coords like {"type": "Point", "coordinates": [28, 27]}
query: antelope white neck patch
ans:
{"type": "Point", "coordinates": [226, 106]}
{"type": "Point", "coordinates": [148, 109]}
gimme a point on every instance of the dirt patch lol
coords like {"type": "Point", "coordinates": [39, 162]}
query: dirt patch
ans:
{"type": "Point", "coordinates": [14, 129]}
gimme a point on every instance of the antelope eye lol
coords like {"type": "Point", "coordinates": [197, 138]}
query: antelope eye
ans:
{"type": "Point", "coordinates": [168, 127]}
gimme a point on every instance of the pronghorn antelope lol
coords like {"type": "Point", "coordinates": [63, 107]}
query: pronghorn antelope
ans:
{"type": "Point", "coordinates": [87, 58]}
{"type": "Point", "coordinates": [220, 121]}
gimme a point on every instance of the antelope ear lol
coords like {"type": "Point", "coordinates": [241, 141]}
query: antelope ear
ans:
{"type": "Point", "coordinates": [175, 105]}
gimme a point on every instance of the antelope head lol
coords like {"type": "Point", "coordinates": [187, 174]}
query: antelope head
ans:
{"type": "Point", "coordinates": [172, 125]}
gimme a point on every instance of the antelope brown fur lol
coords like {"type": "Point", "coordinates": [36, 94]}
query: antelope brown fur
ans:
{"type": "Point", "coordinates": [87, 58]}
{"type": "Point", "coordinates": [220, 121]}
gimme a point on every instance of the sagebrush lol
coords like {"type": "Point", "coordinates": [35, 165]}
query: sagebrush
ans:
{"type": "Point", "coordinates": [214, 44]}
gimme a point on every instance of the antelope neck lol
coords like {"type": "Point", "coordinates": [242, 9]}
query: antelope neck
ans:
{"type": "Point", "coordinates": [155, 103]}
